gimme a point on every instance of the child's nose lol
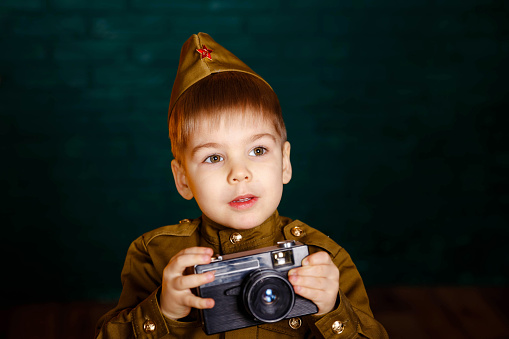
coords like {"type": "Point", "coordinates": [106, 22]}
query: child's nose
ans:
{"type": "Point", "coordinates": [239, 173]}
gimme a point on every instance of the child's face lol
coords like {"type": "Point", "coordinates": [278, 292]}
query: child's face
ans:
{"type": "Point", "coordinates": [235, 171]}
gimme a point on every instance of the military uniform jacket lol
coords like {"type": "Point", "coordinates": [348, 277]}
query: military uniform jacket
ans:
{"type": "Point", "coordinates": [138, 315]}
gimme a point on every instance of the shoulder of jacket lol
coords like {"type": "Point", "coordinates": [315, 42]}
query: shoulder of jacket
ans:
{"type": "Point", "coordinates": [185, 228]}
{"type": "Point", "coordinates": [299, 231]}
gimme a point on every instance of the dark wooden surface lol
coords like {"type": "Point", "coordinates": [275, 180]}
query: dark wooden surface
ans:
{"type": "Point", "coordinates": [442, 312]}
{"type": "Point", "coordinates": [406, 312]}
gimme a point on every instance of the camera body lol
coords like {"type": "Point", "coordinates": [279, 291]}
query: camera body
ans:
{"type": "Point", "coordinates": [252, 288]}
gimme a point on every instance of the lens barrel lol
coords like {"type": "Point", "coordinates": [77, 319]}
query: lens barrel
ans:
{"type": "Point", "coordinates": [268, 296]}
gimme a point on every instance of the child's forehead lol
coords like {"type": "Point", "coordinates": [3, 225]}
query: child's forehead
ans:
{"type": "Point", "coordinates": [242, 126]}
{"type": "Point", "coordinates": [241, 121]}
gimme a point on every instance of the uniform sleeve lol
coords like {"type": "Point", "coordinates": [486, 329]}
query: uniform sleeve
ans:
{"type": "Point", "coordinates": [137, 314]}
{"type": "Point", "coordinates": [352, 318]}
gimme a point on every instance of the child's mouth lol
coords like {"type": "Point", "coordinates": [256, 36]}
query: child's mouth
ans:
{"type": "Point", "coordinates": [243, 202]}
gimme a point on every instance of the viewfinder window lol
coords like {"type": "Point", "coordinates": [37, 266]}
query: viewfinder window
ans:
{"type": "Point", "coordinates": [282, 258]}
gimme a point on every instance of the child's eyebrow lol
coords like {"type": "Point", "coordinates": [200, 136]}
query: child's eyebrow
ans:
{"type": "Point", "coordinates": [216, 145]}
{"type": "Point", "coordinates": [262, 135]}
{"type": "Point", "coordinates": [207, 145]}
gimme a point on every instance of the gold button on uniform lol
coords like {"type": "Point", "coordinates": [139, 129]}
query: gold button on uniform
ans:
{"type": "Point", "coordinates": [338, 327]}
{"type": "Point", "coordinates": [149, 326]}
{"type": "Point", "coordinates": [297, 231]}
{"type": "Point", "coordinates": [295, 323]}
{"type": "Point", "coordinates": [184, 221]}
{"type": "Point", "coordinates": [235, 238]}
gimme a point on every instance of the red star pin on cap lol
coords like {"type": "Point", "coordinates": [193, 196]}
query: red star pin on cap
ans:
{"type": "Point", "coordinates": [205, 52]}
{"type": "Point", "coordinates": [191, 71]}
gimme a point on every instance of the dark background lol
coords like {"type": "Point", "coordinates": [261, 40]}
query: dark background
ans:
{"type": "Point", "coordinates": [397, 112]}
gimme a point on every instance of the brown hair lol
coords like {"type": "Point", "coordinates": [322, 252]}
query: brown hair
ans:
{"type": "Point", "coordinates": [218, 95]}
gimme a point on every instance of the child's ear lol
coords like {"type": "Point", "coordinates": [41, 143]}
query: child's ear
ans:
{"type": "Point", "coordinates": [179, 175]}
{"type": "Point", "coordinates": [287, 165]}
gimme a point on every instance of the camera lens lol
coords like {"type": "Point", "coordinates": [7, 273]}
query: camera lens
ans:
{"type": "Point", "coordinates": [268, 296]}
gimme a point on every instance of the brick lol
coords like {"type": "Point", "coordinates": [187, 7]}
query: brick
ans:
{"type": "Point", "coordinates": [302, 87]}
{"type": "Point", "coordinates": [376, 48]}
{"type": "Point", "coordinates": [458, 4]}
{"type": "Point", "coordinates": [23, 5]}
{"type": "Point", "coordinates": [386, 5]}
{"type": "Point", "coordinates": [125, 75]}
{"type": "Point", "coordinates": [165, 51]}
{"type": "Point", "coordinates": [243, 5]}
{"type": "Point", "coordinates": [19, 50]}
{"type": "Point", "coordinates": [470, 23]}
{"type": "Point", "coordinates": [484, 23]}
{"type": "Point", "coordinates": [30, 76]}
{"type": "Point", "coordinates": [87, 4]}
{"type": "Point", "coordinates": [14, 99]}
{"type": "Point", "coordinates": [169, 5]}
{"type": "Point", "coordinates": [349, 72]}
{"type": "Point", "coordinates": [447, 25]}
{"type": "Point", "coordinates": [90, 50]}
{"type": "Point", "coordinates": [324, 5]}
{"type": "Point", "coordinates": [318, 48]}
{"type": "Point", "coordinates": [288, 24]}
{"type": "Point", "coordinates": [154, 99]}
{"type": "Point", "coordinates": [472, 49]}
{"type": "Point", "coordinates": [130, 27]}
{"type": "Point", "coordinates": [5, 22]}
{"type": "Point", "coordinates": [336, 24]}
{"type": "Point", "coordinates": [255, 50]}
{"type": "Point", "coordinates": [89, 104]}
{"type": "Point", "coordinates": [403, 4]}
{"type": "Point", "coordinates": [213, 25]}
{"type": "Point", "coordinates": [402, 23]}
{"type": "Point", "coordinates": [503, 47]}
{"type": "Point", "coordinates": [49, 25]}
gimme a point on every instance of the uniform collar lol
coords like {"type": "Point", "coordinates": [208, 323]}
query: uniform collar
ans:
{"type": "Point", "coordinates": [229, 240]}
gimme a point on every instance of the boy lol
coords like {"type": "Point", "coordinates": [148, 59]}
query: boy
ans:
{"type": "Point", "coordinates": [231, 155]}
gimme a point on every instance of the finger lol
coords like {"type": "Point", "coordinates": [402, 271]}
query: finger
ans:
{"type": "Point", "coordinates": [186, 282]}
{"type": "Point", "coordinates": [197, 250]}
{"type": "Point", "coordinates": [317, 296]}
{"type": "Point", "coordinates": [200, 303]}
{"type": "Point", "coordinates": [180, 262]}
{"type": "Point", "coordinates": [326, 271]}
{"type": "Point", "coordinates": [310, 282]}
{"type": "Point", "coordinates": [309, 293]}
{"type": "Point", "coordinates": [324, 301]}
{"type": "Point", "coordinates": [318, 258]}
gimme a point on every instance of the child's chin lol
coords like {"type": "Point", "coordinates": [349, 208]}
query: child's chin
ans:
{"type": "Point", "coordinates": [245, 223]}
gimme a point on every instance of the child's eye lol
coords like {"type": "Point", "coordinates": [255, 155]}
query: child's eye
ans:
{"type": "Point", "coordinates": [214, 159]}
{"type": "Point", "coordinates": [257, 151]}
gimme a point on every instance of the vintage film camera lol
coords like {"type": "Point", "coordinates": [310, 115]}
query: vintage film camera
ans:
{"type": "Point", "coordinates": [252, 288]}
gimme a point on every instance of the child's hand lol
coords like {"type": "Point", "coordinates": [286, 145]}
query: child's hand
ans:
{"type": "Point", "coordinates": [317, 280]}
{"type": "Point", "coordinates": [176, 298]}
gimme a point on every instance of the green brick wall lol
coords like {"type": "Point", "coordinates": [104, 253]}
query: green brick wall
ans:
{"type": "Point", "coordinates": [396, 110]}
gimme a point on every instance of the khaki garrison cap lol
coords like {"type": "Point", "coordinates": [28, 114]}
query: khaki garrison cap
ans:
{"type": "Point", "coordinates": [200, 57]}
